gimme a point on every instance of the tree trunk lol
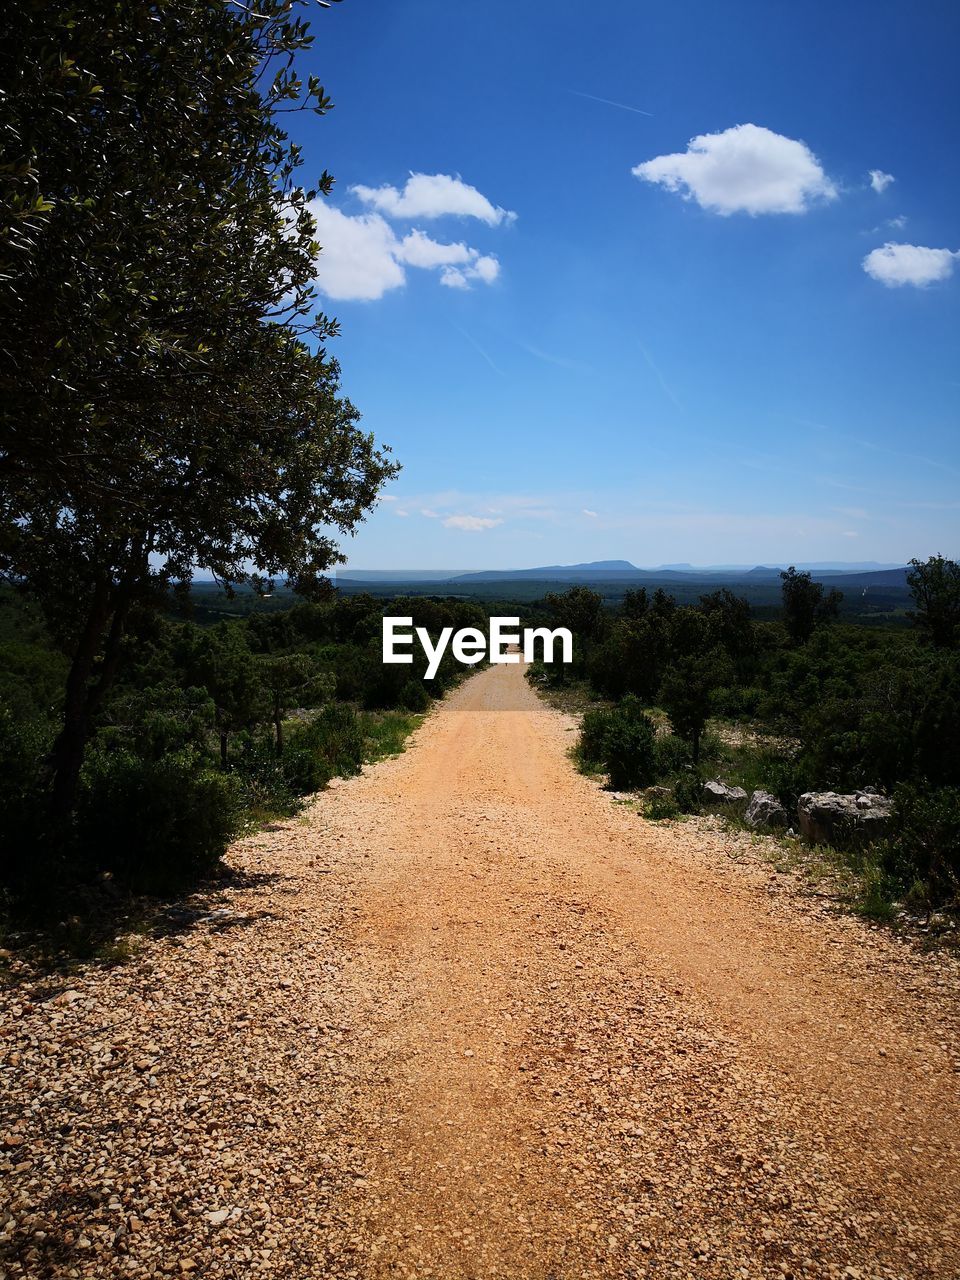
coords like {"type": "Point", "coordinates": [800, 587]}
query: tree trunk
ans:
{"type": "Point", "coordinates": [82, 698]}
{"type": "Point", "coordinates": [67, 755]}
{"type": "Point", "coordinates": [223, 750]}
{"type": "Point", "coordinates": [696, 747]}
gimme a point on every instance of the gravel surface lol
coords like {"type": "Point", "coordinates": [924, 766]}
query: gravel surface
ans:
{"type": "Point", "coordinates": [470, 1018]}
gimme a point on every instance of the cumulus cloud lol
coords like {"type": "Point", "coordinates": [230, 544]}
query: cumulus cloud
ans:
{"type": "Point", "coordinates": [418, 250]}
{"type": "Point", "coordinates": [485, 268]}
{"type": "Point", "coordinates": [745, 169]}
{"type": "Point", "coordinates": [427, 195]}
{"type": "Point", "coordinates": [362, 257]}
{"type": "Point", "coordinates": [880, 180]}
{"type": "Point", "coordinates": [588, 512]}
{"type": "Point", "coordinates": [472, 524]}
{"type": "Point", "coordinates": [901, 264]}
{"type": "Point", "coordinates": [359, 257]}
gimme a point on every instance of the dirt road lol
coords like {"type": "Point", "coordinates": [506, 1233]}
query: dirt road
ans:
{"type": "Point", "coordinates": [471, 1018]}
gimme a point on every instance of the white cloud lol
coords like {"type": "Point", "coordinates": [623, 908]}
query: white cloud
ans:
{"type": "Point", "coordinates": [429, 513]}
{"type": "Point", "coordinates": [428, 195]}
{"type": "Point", "coordinates": [745, 169]}
{"type": "Point", "coordinates": [362, 257]}
{"type": "Point", "coordinates": [472, 524]}
{"type": "Point", "coordinates": [850, 533]}
{"type": "Point", "coordinates": [486, 269]}
{"type": "Point", "coordinates": [359, 257]}
{"type": "Point", "coordinates": [591, 514]}
{"type": "Point", "coordinates": [880, 180]}
{"type": "Point", "coordinates": [898, 222]}
{"type": "Point", "coordinates": [902, 264]}
{"type": "Point", "coordinates": [418, 250]}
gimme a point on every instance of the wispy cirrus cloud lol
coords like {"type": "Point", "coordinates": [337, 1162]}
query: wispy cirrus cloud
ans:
{"type": "Point", "coordinates": [609, 102]}
{"type": "Point", "coordinates": [471, 524]}
{"type": "Point", "coordinates": [744, 169]}
{"type": "Point", "coordinates": [664, 385]}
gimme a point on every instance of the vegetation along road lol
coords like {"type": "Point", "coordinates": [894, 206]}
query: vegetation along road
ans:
{"type": "Point", "coordinates": [469, 1017]}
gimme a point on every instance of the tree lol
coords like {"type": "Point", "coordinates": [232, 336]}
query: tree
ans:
{"type": "Point", "coordinates": [686, 693]}
{"type": "Point", "coordinates": [291, 679]}
{"type": "Point", "coordinates": [935, 587]}
{"type": "Point", "coordinates": [166, 400]}
{"type": "Point", "coordinates": [805, 605]}
{"type": "Point", "coordinates": [729, 617]}
{"type": "Point", "coordinates": [221, 662]}
{"type": "Point", "coordinates": [580, 610]}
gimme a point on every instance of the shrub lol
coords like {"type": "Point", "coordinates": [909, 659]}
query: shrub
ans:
{"type": "Point", "coordinates": [688, 792]}
{"type": "Point", "coordinates": [659, 808]}
{"type": "Point", "coordinates": [413, 697]}
{"type": "Point", "coordinates": [736, 702]}
{"type": "Point", "coordinates": [670, 755]}
{"type": "Point", "coordinates": [385, 732]}
{"type": "Point", "coordinates": [335, 739]}
{"type": "Point", "coordinates": [155, 823]}
{"type": "Point", "coordinates": [23, 803]}
{"type": "Point", "coordinates": [922, 855]}
{"type": "Point", "coordinates": [621, 741]}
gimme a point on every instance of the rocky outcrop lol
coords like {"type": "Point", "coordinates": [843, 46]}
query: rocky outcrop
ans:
{"type": "Point", "coordinates": [828, 817]}
{"type": "Point", "coordinates": [716, 792]}
{"type": "Point", "coordinates": [764, 811]}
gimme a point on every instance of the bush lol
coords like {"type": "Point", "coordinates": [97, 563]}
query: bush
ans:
{"type": "Point", "coordinates": [621, 741]}
{"type": "Point", "coordinates": [922, 855]}
{"type": "Point", "coordinates": [688, 792]}
{"type": "Point", "coordinates": [413, 697]}
{"type": "Point", "coordinates": [736, 702]}
{"type": "Point", "coordinates": [335, 740]}
{"type": "Point", "coordinates": [660, 808]}
{"type": "Point", "coordinates": [385, 732]}
{"type": "Point", "coordinates": [670, 755]}
{"type": "Point", "coordinates": [24, 804]}
{"type": "Point", "coordinates": [155, 824]}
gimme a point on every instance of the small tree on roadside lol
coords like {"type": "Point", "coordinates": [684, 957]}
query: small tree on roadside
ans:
{"type": "Point", "coordinates": [292, 680]}
{"type": "Point", "coordinates": [686, 693]}
{"type": "Point", "coordinates": [935, 587]}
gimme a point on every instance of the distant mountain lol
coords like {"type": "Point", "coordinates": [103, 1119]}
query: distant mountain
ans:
{"type": "Point", "coordinates": [623, 571]}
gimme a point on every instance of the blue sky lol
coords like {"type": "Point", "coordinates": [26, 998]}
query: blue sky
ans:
{"type": "Point", "coordinates": [690, 362]}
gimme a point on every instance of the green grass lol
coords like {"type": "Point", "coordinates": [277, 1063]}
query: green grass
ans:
{"type": "Point", "coordinates": [385, 732]}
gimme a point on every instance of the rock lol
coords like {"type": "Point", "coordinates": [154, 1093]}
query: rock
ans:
{"type": "Point", "coordinates": [717, 792]}
{"type": "Point", "coordinates": [828, 817]}
{"type": "Point", "coordinates": [765, 810]}
{"type": "Point", "coordinates": [217, 1217]}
